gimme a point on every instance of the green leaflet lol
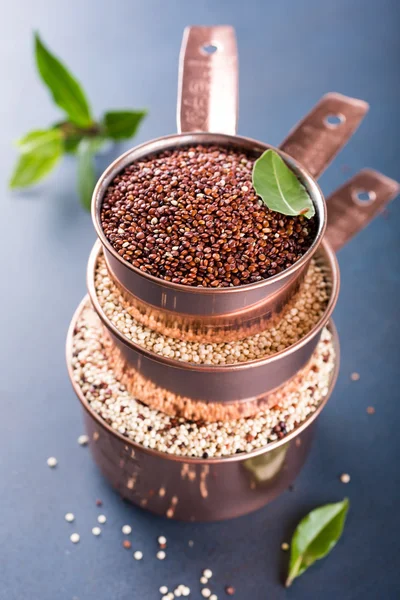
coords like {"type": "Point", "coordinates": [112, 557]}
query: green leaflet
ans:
{"type": "Point", "coordinates": [315, 536]}
{"type": "Point", "coordinates": [39, 140]}
{"type": "Point", "coordinates": [65, 89]}
{"type": "Point", "coordinates": [40, 152]}
{"type": "Point", "coordinates": [122, 124]}
{"type": "Point", "coordinates": [279, 187]}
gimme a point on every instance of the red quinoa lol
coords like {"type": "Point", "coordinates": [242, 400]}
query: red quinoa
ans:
{"type": "Point", "coordinates": [191, 216]}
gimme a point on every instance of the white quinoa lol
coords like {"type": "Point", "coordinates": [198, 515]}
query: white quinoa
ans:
{"type": "Point", "coordinates": [307, 309]}
{"type": "Point", "coordinates": [108, 398]}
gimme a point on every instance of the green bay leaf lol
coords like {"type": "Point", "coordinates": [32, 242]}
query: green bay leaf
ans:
{"type": "Point", "coordinates": [65, 89]}
{"type": "Point", "coordinates": [279, 188]}
{"type": "Point", "coordinates": [315, 536]}
{"type": "Point", "coordinates": [40, 152]}
{"type": "Point", "coordinates": [39, 140]}
{"type": "Point", "coordinates": [122, 124]}
{"type": "Point", "coordinates": [32, 168]}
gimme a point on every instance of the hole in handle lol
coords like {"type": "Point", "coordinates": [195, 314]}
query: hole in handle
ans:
{"type": "Point", "coordinates": [363, 197]}
{"type": "Point", "coordinates": [334, 121]}
{"type": "Point", "coordinates": [209, 48]}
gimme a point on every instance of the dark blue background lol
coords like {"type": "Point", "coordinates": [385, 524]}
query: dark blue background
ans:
{"type": "Point", "coordinates": [291, 52]}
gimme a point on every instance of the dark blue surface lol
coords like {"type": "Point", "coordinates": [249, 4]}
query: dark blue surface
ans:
{"type": "Point", "coordinates": [291, 52]}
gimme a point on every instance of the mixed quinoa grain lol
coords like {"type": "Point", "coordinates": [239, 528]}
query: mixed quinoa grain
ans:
{"type": "Point", "coordinates": [153, 429]}
{"type": "Point", "coordinates": [307, 309]}
{"type": "Point", "coordinates": [191, 216]}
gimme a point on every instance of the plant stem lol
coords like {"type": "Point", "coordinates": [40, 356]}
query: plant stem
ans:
{"type": "Point", "coordinates": [71, 130]}
{"type": "Point", "coordinates": [293, 572]}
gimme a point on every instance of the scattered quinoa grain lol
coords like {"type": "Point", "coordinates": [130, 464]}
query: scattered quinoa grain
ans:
{"type": "Point", "coordinates": [370, 410]}
{"type": "Point", "coordinates": [96, 531]}
{"type": "Point", "coordinates": [126, 529]}
{"type": "Point", "coordinates": [203, 580]}
{"type": "Point", "coordinates": [52, 462]}
{"type": "Point", "coordinates": [163, 589]}
{"type": "Point", "coordinates": [83, 440]}
{"type": "Point", "coordinates": [162, 540]}
{"type": "Point", "coordinates": [101, 519]}
{"type": "Point", "coordinates": [127, 544]}
{"type": "Point", "coordinates": [70, 517]}
{"type": "Point", "coordinates": [74, 537]}
{"type": "Point", "coordinates": [230, 590]}
{"type": "Point", "coordinates": [207, 573]}
{"type": "Point", "coordinates": [345, 478]}
{"type": "Point", "coordinates": [138, 555]}
{"type": "Point", "coordinates": [285, 546]}
{"type": "Point", "coordinates": [213, 597]}
{"type": "Point", "coordinates": [355, 376]}
{"type": "Point", "coordinates": [99, 503]}
{"type": "Point", "coordinates": [161, 555]}
{"type": "Point", "coordinates": [206, 593]}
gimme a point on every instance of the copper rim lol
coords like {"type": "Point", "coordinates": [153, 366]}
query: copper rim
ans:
{"type": "Point", "coordinates": [335, 282]}
{"type": "Point", "coordinates": [187, 459]}
{"type": "Point", "coordinates": [186, 139]}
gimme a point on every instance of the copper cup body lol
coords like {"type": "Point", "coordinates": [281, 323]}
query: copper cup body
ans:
{"type": "Point", "coordinates": [197, 313]}
{"type": "Point", "coordinates": [210, 392]}
{"type": "Point", "coordinates": [194, 489]}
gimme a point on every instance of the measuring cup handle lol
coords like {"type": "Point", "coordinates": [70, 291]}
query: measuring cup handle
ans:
{"type": "Point", "coordinates": [356, 203]}
{"type": "Point", "coordinates": [316, 140]}
{"type": "Point", "coordinates": [208, 80]}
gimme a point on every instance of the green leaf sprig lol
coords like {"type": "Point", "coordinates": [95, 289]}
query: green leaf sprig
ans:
{"type": "Point", "coordinates": [79, 134]}
{"type": "Point", "coordinates": [315, 536]}
{"type": "Point", "coordinates": [279, 188]}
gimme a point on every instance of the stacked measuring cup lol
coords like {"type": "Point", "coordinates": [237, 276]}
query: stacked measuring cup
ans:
{"type": "Point", "coordinates": [206, 487]}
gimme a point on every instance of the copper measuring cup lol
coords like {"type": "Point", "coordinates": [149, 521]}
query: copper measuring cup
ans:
{"type": "Point", "coordinates": [197, 489]}
{"type": "Point", "coordinates": [207, 114]}
{"type": "Point", "coordinates": [205, 391]}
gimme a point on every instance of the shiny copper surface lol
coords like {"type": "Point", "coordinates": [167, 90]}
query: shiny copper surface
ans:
{"type": "Point", "coordinates": [195, 489]}
{"type": "Point", "coordinates": [180, 385]}
{"type": "Point", "coordinates": [316, 140]}
{"type": "Point", "coordinates": [208, 80]}
{"type": "Point", "coordinates": [348, 212]}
